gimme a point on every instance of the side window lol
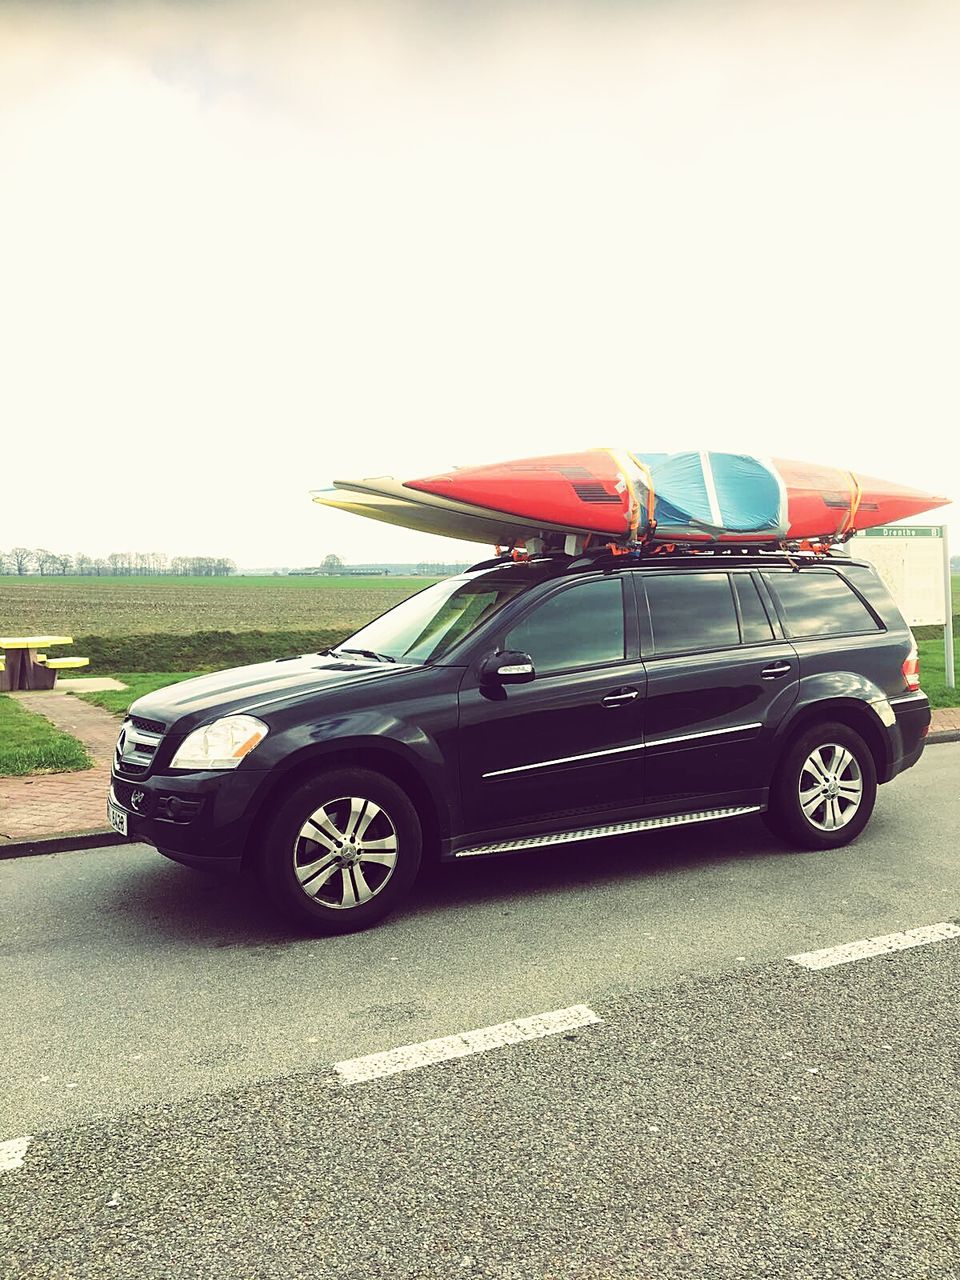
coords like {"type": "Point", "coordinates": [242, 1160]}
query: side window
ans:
{"type": "Point", "coordinates": [690, 611]}
{"type": "Point", "coordinates": [754, 623]}
{"type": "Point", "coordinates": [580, 627]}
{"type": "Point", "coordinates": [820, 603]}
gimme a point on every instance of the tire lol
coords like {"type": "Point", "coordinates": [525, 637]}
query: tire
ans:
{"type": "Point", "coordinates": [819, 799]}
{"type": "Point", "coordinates": [316, 874]}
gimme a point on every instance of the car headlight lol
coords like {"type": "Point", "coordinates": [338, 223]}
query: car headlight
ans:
{"type": "Point", "coordinates": [221, 745]}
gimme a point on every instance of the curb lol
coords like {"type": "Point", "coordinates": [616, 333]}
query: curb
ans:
{"type": "Point", "coordinates": [101, 839]}
{"type": "Point", "coordinates": [60, 844]}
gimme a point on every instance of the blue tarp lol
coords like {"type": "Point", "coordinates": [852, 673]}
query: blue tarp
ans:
{"type": "Point", "coordinates": [725, 492]}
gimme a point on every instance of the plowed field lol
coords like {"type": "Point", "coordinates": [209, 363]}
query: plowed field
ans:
{"type": "Point", "coordinates": [123, 606]}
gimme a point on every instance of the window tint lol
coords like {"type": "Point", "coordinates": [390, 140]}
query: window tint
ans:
{"type": "Point", "coordinates": [580, 627]}
{"type": "Point", "coordinates": [691, 611]}
{"type": "Point", "coordinates": [820, 603]}
{"type": "Point", "coordinates": [754, 623]}
{"type": "Point", "coordinates": [871, 587]}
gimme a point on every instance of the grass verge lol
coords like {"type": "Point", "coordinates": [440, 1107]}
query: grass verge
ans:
{"type": "Point", "coordinates": [138, 683]}
{"type": "Point", "coordinates": [31, 744]}
{"type": "Point", "coordinates": [933, 674]}
{"type": "Point", "coordinates": [199, 650]}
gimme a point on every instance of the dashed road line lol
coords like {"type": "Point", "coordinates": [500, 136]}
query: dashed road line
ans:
{"type": "Point", "coordinates": [867, 947]}
{"type": "Point", "coordinates": [410, 1057]}
{"type": "Point", "coordinates": [12, 1152]}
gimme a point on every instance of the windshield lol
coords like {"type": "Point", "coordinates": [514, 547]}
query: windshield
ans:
{"type": "Point", "coordinates": [433, 621]}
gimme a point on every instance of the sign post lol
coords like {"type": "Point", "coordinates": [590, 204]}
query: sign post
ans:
{"type": "Point", "coordinates": [914, 562]}
{"type": "Point", "coordinates": [948, 628]}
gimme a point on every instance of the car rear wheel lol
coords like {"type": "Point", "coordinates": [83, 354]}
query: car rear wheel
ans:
{"type": "Point", "coordinates": [825, 788]}
{"type": "Point", "coordinates": [340, 851]}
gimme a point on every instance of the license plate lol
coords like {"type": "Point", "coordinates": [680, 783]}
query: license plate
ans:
{"type": "Point", "coordinates": [117, 818]}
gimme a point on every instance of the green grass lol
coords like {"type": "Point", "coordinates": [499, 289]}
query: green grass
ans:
{"type": "Point", "coordinates": [932, 658]}
{"type": "Point", "coordinates": [933, 675]}
{"type": "Point", "coordinates": [138, 683]}
{"type": "Point", "coordinates": [31, 744]}
{"type": "Point", "coordinates": [199, 650]}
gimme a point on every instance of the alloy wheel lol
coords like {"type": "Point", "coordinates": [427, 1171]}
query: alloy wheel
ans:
{"type": "Point", "coordinates": [345, 852]}
{"type": "Point", "coordinates": [830, 787]}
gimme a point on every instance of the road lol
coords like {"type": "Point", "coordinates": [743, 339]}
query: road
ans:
{"type": "Point", "coordinates": [170, 1047]}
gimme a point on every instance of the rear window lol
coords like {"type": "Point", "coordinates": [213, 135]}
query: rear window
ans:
{"type": "Point", "coordinates": [691, 611]}
{"type": "Point", "coordinates": [871, 587]}
{"type": "Point", "coordinates": [819, 603]}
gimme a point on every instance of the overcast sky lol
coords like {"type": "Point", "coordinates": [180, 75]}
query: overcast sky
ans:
{"type": "Point", "coordinates": [246, 249]}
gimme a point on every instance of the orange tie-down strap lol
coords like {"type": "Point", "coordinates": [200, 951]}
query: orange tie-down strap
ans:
{"type": "Point", "coordinates": [856, 495]}
{"type": "Point", "coordinates": [625, 465]}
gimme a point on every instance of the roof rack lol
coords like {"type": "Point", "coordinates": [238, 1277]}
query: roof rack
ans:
{"type": "Point", "coordinates": [798, 553]}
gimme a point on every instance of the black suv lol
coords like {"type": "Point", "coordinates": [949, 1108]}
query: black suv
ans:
{"type": "Point", "coordinates": [534, 703]}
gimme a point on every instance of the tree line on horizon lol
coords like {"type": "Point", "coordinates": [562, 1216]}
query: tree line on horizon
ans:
{"type": "Point", "coordinates": [20, 561]}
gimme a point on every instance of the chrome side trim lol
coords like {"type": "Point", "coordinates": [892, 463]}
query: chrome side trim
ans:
{"type": "Point", "coordinates": [615, 751]}
{"type": "Point", "coordinates": [710, 733]}
{"type": "Point", "coordinates": [545, 764]}
{"type": "Point", "coordinates": [611, 829]}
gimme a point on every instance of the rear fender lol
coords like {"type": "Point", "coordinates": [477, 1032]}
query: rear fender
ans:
{"type": "Point", "coordinates": [849, 699]}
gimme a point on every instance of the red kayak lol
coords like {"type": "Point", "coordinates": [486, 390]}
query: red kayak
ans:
{"type": "Point", "coordinates": [702, 496]}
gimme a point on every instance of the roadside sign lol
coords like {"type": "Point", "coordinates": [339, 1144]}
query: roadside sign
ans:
{"type": "Point", "coordinates": [903, 531]}
{"type": "Point", "coordinates": [914, 562]}
{"type": "Point", "coordinates": [909, 558]}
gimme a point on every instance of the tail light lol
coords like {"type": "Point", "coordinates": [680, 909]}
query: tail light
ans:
{"type": "Point", "coordinates": [911, 669]}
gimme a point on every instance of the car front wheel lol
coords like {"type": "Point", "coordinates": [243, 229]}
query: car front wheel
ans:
{"type": "Point", "coordinates": [825, 789]}
{"type": "Point", "coordinates": [340, 851]}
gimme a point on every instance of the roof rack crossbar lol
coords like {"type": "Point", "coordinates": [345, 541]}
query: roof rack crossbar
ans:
{"type": "Point", "coordinates": [803, 552]}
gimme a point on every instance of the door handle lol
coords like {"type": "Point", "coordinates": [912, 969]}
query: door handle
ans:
{"type": "Point", "coordinates": [775, 671]}
{"type": "Point", "coordinates": [618, 699]}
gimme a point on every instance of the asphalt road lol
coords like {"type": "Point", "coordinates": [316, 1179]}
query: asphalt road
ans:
{"type": "Point", "coordinates": [170, 1045]}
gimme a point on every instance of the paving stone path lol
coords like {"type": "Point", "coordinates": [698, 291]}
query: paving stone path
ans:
{"type": "Point", "coordinates": [946, 719]}
{"type": "Point", "coordinates": [55, 804]}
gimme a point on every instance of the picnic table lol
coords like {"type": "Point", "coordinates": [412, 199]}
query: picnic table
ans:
{"type": "Point", "coordinates": [23, 666]}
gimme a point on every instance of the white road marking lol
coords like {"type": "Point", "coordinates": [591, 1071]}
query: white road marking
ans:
{"type": "Point", "coordinates": [866, 947]}
{"type": "Point", "coordinates": [13, 1151]}
{"type": "Point", "coordinates": [411, 1056]}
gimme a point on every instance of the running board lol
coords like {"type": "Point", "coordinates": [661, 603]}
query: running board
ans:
{"type": "Point", "coordinates": [612, 829]}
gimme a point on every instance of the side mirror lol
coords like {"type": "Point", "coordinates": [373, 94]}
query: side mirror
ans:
{"type": "Point", "coordinates": [508, 667]}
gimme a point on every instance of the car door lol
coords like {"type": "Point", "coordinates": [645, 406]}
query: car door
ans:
{"type": "Point", "coordinates": [720, 678]}
{"type": "Point", "coordinates": [569, 743]}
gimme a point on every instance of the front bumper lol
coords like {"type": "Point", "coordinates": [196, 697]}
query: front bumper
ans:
{"type": "Point", "coordinates": [201, 819]}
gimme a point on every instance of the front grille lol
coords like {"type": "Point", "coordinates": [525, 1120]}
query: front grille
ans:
{"type": "Point", "coordinates": [136, 747]}
{"type": "Point", "coordinates": [124, 792]}
{"type": "Point", "coordinates": [165, 806]}
{"type": "Point", "coordinates": [148, 726]}
{"type": "Point", "coordinates": [131, 770]}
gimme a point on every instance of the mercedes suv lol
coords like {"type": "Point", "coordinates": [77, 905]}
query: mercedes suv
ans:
{"type": "Point", "coordinates": [528, 703]}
